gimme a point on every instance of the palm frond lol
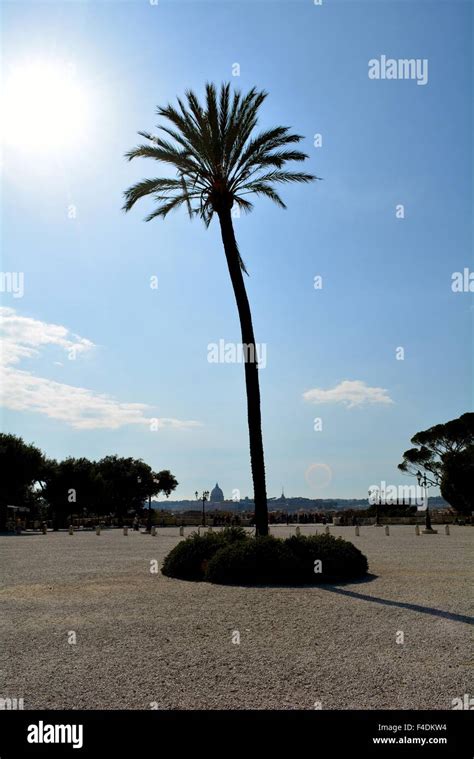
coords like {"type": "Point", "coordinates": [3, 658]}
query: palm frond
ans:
{"type": "Point", "coordinates": [191, 129]}
{"type": "Point", "coordinates": [244, 204]}
{"type": "Point", "coordinates": [224, 102]}
{"type": "Point", "coordinates": [165, 205]}
{"type": "Point", "coordinates": [246, 121]}
{"type": "Point", "coordinates": [166, 155]}
{"type": "Point", "coordinates": [147, 187]}
{"type": "Point", "coordinates": [212, 124]}
{"type": "Point", "coordinates": [260, 188]}
{"type": "Point", "coordinates": [187, 196]}
{"type": "Point", "coordinates": [282, 177]}
{"type": "Point", "coordinates": [217, 156]}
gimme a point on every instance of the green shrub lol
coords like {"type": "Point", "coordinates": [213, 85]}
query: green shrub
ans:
{"type": "Point", "coordinates": [231, 534]}
{"type": "Point", "coordinates": [232, 557]}
{"type": "Point", "coordinates": [253, 562]}
{"type": "Point", "coordinates": [188, 559]}
{"type": "Point", "coordinates": [340, 559]}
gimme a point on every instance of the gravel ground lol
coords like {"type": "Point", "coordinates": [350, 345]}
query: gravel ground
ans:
{"type": "Point", "coordinates": [144, 639]}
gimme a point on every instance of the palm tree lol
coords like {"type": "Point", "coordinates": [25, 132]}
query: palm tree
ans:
{"type": "Point", "coordinates": [219, 162]}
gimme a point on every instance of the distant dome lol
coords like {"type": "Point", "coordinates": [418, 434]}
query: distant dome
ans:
{"type": "Point", "coordinates": [217, 496]}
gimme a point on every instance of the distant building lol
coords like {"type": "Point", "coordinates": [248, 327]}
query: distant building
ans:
{"type": "Point", "coordinates": [217, 496]}
{"type": "Point", "coordinates": [281, 500]}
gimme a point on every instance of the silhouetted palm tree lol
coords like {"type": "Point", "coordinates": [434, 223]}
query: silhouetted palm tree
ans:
{"type": "Point", "coordinates": [218, 163]}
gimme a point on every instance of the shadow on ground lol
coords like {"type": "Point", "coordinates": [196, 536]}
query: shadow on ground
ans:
{"type": "Point", "coordinates": [401, 605]}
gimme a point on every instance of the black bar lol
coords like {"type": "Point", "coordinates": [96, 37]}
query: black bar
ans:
{"type": "Point", "coordinates": [317, 734]}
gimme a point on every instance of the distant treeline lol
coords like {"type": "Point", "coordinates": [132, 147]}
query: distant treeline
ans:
{"type": "Point", "coordinates": [55, 490]}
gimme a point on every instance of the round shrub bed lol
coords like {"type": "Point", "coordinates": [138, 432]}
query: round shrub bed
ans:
{"type": "Point", "coordinates": [255, 561]}
{"type": "Point", "coordinates": [232, 557]}
{"type": "Point", "coordinates": [340, 560]}
{"type": "Point", "coordinates": [188, 560]}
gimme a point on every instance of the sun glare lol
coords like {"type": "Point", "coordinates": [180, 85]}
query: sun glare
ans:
{"type": "Point", "coordinates": [44, 107]}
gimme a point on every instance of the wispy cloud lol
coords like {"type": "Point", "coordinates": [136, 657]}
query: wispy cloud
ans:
{"type": "Point", "coordinates": [351, 393]}
{"type": "Point", "coordinates": [24, 338]}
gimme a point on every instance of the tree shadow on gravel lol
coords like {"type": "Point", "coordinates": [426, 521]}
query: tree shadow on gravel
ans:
{"type": "Point", "coordinates": [329, 585]}
{"type": "Point", "coordinates": [464, 618]}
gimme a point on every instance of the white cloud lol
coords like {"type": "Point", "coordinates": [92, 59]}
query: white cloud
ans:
{"type": "Point", "coordinates": [349, 392]}
{"type": "Point", "coordinates": [24, 338]}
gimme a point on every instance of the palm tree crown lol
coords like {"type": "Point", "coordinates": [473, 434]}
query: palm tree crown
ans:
{"type": "Point", "coordinates": [218, 162]}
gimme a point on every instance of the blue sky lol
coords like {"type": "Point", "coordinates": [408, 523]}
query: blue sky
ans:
{"type": "Point", "coordinates": [386, 280]}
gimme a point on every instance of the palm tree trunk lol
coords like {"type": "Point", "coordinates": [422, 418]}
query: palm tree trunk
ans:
{"type": "Point", "coordinates": [251, 372]}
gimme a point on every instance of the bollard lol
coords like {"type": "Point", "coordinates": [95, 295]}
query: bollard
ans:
{"type": "Point", "coordinates": [417, 529]}
{"type": "Point", "coordinates": [181, 532]}
{"type": "Point", "coordinates": [71, 531]}
{"type": "Point", "coordinates": [326, 529]}
{"type": "Point", "coordinates": [97, 530]}
{"type": "Point", "coordinates": [387, 531]}
{"type": "Point", "coordinates": [153, 532]}
{"type": "Point", "coordinates": [298, 532]}
{"type": "Point", "coordinates": [357, 532]}
{"type": "Point", "coordinates": [125, 530]}
{"type": "Point", "coordinates": [44, 529]}
{"type": "Point", "coordinates": [446, 529]}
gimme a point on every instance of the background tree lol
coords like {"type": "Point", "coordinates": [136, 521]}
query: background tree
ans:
{"type": "Point", "coordinates": [446, 453]}
{"type": "Point", "coordinates": [163, 482]}
{"type": "Point", "coordinates": [457, 480]}
{"type": "Point", "coordinates": [113, 485]}
{"type": "Point", "coordinates": [167, 482]}
{"type": "Point", "coordinates": [128, 483]}
{"type": "Point", "coordinates": [73, 486]}
{"type": "Point", "coordinates": [219, 162]}
{"type": "Point", "coordinates": [22, 467]}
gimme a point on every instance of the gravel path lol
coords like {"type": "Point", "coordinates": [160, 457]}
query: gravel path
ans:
{"type": "Point", "coordinates": [144, 639]}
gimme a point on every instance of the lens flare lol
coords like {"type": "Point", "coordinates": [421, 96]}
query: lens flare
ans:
{"type": "Point", "coordinates": [318, 476]}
